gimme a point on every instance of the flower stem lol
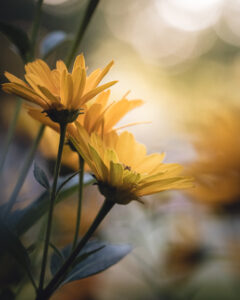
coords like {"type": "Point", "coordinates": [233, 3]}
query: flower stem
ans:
{"type": "Point", "coordinates": [60, 275]}
{"type": "Point", "coordinates": [13, 124]}
{"type": "Point", "coordinates": [92, 5]}
{"type": "Point", "coordinates": [10, 133]}
{"type": "Point", "coordinates": [63, 128]}
{"type": "Point", "coordinates": [80, 192]}
{"type": "Point", "coordinates": [35, 27]}
{"type": "Point", "coordinates": [24, 171]}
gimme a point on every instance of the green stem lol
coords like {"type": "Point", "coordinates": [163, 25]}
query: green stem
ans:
{"type": "Point", "coordinates": [13, 124]}
{"type": "Point", "coordinates": [92, 5]}
{"type": "Point", "coordinates": [79, 209]}
{"type": "Point", "coordinates": [10, 133]}
{"type": "Point", "coordinates": [24, 171]}
{"type": "Point", "coordinates": [35, 27]}
{"type": "Point", "coordinates": [63, 128]}
{"type": "Point", "coordinates": [60, 275]}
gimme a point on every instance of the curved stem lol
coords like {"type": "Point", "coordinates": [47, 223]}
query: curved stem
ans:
{"type": "Point", "coordinates": [34, 33]}
{"type": "Point", "coordinates": [92, 5]}
{"type": "Point", "coordinates": [10, 133]}
{"type": "Point", "coordinates": [26, 166]}
{"type": "Point", "coordinates": [57, 279]}
{"type": "Point", "coordinates": [51, 205]}
{"type": "Point", "coordinates": [80, 193]}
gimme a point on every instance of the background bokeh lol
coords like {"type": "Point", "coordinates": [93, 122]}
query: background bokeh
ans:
{"type": "Point", "coordinates": [182, 58]}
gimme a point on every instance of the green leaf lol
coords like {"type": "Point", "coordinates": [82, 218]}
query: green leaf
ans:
{"type": "Point", "coordinates": [7, 294]}
{"type": "Point", "coordinates": [18, 38]}
{"type": "Point", "coordinates": [94, 258]}
{"type": "Point", "coordinates": [41, 177]}
{"type": "Point", "coordinates": [22, 219]}
{"type": "Point", "coordinates": [53, 41]}
{"type": "Point", "coordinates": [11, 244]}
{"type": "Point", "coordinates": [62, 182]}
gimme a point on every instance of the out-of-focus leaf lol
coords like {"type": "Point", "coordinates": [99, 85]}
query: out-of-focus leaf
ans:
{"type": "Point", "coordinates": [41, 177]}
{"type": "Point", "coordinates": [18, 37]}
{"type": "Point", "coordinates": [94, 258]}
{"type": "Point", "coordinates": [53, 41]}
{"type": "Point", "coordinates": [11, 244]}
{"type": "Point", "coordinates": [22, 219]}
{"type": "Point", "coordinates": [7, 294]}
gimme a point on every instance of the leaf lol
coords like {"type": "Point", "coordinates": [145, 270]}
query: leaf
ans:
{"type": "Point", "coordinates": [53, 41]}
{"type": "Point", "coordinates": [41, 177]}
{"type": "Point", "coordinates": [7, 294]}
{"type": "Point", "coordinates": [10, 243]}
{"type": "Point", "coordinates": [18, 37]}
{"type": "Point", "coordinates": [94, 258]}
{"type": "Point", "coordinates": [63, 182]}
{"type": "Point", "coordinates": [21, 220]}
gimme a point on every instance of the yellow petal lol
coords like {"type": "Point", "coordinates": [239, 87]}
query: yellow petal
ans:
{"type": "Point", "coordinates": [129, 151]}
{"type": "Point", "coordinates": [78, 100]}
{"type": "Point", "coordinates": [96, 91]}
{"type": "Point", "coordinates": [103, 73]}
{"type": "Point", "coordinates": [25, 93]}
{"type": "Point", "coordinates": [165, 184]}
{"type": "Point", "coordinates": [43, 118]}
{"type": "Point", "coordinates": [116, 174]}
{"type": "Point", "coordinates": [14, 79]}
{"type": "Point", "coordinates": [79, 63]}
{"type": "Point", "coordinates": [149, 163]}
{"type": "Point", "coordinates": [61, 66]}
{"type": "Point", "coordinates": [102, 171]}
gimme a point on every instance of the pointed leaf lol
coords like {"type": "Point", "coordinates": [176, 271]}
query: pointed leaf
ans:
{"type": "Point", "coordinates": [53, 41]}
{"type": "Point", "coordinates": [21, 220]}
{"type": "Point", "coordinates": [10, 243]}
{"type": "Point", "coordinates": [18, 37]}
{"type": "Point", "coordinates": [41, 177]}
{"type": "Point", "coordinates": [63, 182]}
{"type": "Point", "coordinates": [94, 258]}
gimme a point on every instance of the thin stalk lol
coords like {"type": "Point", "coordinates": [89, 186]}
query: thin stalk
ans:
{"type": "Point", "coordinates": [57, 279]}
{"type": "Point", "coordinates": [10, 133]}
{"type": "Point", "coordinates": [13, 124]}
{"type": "Point", "coordinates": [79, 208]}
{"type": "Point", "coordinates": [26, 166]}
{"type": "Point", "coordinates": [92, 5]}
{"type": "Point", "coordinates": [35, 27]}
{"type": "Point", "coordinates": [63, 128]}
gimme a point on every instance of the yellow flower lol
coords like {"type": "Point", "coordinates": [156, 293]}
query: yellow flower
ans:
{"type": "Point", "coordinates": [123, 169]}
{"type": "Point", "coordinates": [59, 93]}
{"type": "Point", "coordinates": [99, 116]}
{"type": "Point", "coordinates": [217, 167]}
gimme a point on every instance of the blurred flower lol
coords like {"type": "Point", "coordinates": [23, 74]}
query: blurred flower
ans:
{"type": "Point", "coordinates": [59, 93]}
{"type": "Point", "coordinates": [123, 170]}
{"type": "Point", "coordinates": [217, 168]}
{"type": "Point", "coordinates": [185, 251]}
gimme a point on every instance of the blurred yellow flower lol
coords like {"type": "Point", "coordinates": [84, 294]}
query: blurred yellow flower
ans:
{"type": "Point", "coordinates": [59, 93]}
{"type": "Point", "coordinates": [217, 167]}
{"type": "Point", "coordinates": [123, 169]}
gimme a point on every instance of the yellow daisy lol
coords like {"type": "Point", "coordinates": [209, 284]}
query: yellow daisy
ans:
{"type": "Point", "coordinates": [123, 170]}
{"type": "Point", "coordinates": [99, 116]}
{"type": "Point", "coordinates": [59, 93]}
